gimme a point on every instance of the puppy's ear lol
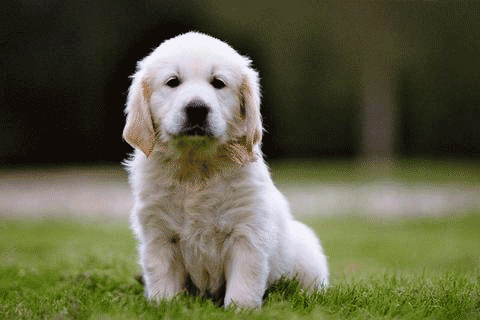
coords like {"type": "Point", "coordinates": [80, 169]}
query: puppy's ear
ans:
{"type": "Point", "coordinates": [248, 125]}
{"type": "Point", "coordinates": [139, 131]}
{"type": "Point", "coordinates": [250, 109]}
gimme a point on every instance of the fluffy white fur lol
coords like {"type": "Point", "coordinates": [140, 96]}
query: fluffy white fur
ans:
{"type": "Point", "coordinates": [206, 211]}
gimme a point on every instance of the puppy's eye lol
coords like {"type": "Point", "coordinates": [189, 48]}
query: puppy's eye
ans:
{"type": "Point", "coordinates": [173, 82]}
{"type": "Point", "coordinates": [217, 83]}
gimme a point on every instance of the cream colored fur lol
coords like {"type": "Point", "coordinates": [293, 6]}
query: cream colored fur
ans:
{"type": "Point", "coordinates": [205, 207]}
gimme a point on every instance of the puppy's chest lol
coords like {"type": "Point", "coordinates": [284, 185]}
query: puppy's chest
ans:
{"type": "Point", "coordinates": [203, 219]}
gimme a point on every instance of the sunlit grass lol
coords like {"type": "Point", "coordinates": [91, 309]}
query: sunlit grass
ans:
{"type": "Point", "coordinates": [408, 268]}
{"type": "Point", "coordinates": [357, 244]}
{"type": "Point", "coordinates": [382, 267]}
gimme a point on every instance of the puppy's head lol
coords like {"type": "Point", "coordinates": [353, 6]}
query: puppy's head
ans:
{"type": "Point", "coordinates": [194, 91]}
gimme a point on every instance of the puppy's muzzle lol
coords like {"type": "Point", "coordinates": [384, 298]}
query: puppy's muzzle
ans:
{"type": "Point", "coordinates": [196, 119]}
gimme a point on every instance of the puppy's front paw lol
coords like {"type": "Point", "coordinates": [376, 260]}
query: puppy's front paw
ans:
{"type": "Point", "coordinates": [243, 301]}
{"type": "Point", "coordinates": [161, 292]}
{"type": "Point", "coordinates": [159, 296]}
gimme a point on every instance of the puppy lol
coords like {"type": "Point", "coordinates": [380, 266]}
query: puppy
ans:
{"type": "Point", "coordinates": [206, 212]}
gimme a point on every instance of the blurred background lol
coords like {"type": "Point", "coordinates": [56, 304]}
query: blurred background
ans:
{"type": "Point", "coordinates": [356, 94]}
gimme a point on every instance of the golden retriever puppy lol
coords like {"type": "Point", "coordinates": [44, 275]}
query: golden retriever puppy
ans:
{"type": "Point", "coordinates": [206, 212]}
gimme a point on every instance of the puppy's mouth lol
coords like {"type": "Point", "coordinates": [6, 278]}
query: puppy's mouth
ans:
{"type": "Point", "coordinates": [195, 139]}
{"type": "Point", "coordinates": [196, 131]}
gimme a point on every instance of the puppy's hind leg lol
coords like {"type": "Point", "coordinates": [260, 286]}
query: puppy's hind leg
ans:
{"type": "Point", "coordinates": [310, 266]}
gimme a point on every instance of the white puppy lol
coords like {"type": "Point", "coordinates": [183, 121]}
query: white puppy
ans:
{"type": "Point", "coordinates": [206, 212]}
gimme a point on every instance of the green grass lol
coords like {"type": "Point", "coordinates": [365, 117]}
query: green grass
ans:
{"type": "Point", "coordinates": [381, 269]}
{"type": "Point", "coordinates": [410, 171]}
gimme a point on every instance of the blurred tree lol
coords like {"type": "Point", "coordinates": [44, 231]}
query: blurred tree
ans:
{"type": "Point", "coordinates": [65, 69]}
{"type": "Point", "coordinates": [362, 30]}
{"type": "Point", "coordinates": [339, 78]}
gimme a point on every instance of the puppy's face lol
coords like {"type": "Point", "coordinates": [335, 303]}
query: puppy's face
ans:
{"type": "Point", "coordinates": [196, 95]}
{"type": "Point", "coordinates": [193, 88]}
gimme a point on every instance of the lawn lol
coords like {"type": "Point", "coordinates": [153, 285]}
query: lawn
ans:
{"type": "Point", "coordinates": [381, 268]}
{"type": "Point", "coordinates": [410, 268]}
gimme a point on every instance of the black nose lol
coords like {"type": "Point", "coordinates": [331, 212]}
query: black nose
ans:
{"type": "Point", "coordinates": [196, 118]}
